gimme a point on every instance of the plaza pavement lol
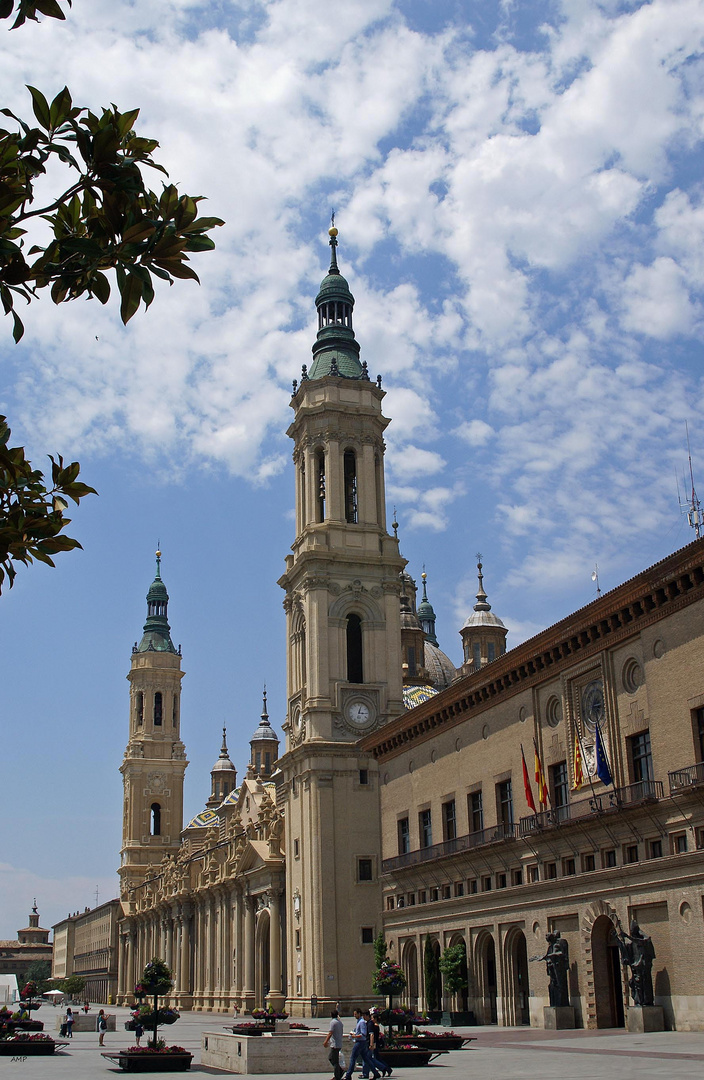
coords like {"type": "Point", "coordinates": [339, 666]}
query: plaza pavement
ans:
{"type": "Point", "coordinates": [497, 1054]}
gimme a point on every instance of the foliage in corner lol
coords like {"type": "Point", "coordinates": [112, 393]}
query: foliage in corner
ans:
{"type": "Point", "coordinates": [31, 511]}
{"type": "Point", "coordinates": [30, 9]}
{"type": "Point", "coordinates": [106, 218]}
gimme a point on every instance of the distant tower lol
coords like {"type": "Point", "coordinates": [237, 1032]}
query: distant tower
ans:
{"type": "Point", "coordinates": [426, 614]}
{"type": "Point", "coordinates": [343, 664]}
{"type": "Point", "coordinates": [155, 758]}
{"type": "Point", "coordinates": [483, 635]}
{"type": "Point", "coordinates": [412, 636]}
{"type": "Point", "coordinates": [34, 934]}
{"type": "Point", "coordinates": [223, 776]}
{"type": "Point", "coordinates": [264, 746]}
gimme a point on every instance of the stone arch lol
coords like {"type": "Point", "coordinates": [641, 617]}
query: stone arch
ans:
{"type": "Point", "coordinates": [459, 999]}
{"type": "Point", "coordinates": [355, 601]}
{"type": "Point", "coordinates": [516, 989]}
{"type": "Point", "coordinates": [486, 978]}
{"type": "Point", "coordinates": [261, 958]}
{"type": "Point", "coordinates": [409, 963]}
{"type": "Point", "coordinates": [604, 978]}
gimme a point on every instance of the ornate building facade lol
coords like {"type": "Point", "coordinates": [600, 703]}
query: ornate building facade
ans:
{"type": "Point", "coordinates": [398, 799]}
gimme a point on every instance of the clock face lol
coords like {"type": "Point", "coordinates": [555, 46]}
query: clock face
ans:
{"type": "Point", "coordinates": [359, 713]}
{"type": "Point", "coordinates": [297, 720]}
{"type": "Point", "coordinates": [593, 704]}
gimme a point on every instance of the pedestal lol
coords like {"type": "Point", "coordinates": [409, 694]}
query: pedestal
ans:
{"type": "Point", "coordinates": [558, 1017]}
{"type": "Point", "coordinates": [642, 1018]}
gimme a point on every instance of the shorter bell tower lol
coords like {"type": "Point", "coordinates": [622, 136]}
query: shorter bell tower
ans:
{"type": "Point", "coordinates": [155, 758]}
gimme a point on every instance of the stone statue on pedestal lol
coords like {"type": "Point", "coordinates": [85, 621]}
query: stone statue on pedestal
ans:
{"type": "Point", "coordinates": [637, 952]}
{"type": "Point", "coordinates": [557, 961]}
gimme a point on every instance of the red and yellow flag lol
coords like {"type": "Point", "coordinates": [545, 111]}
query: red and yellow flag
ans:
{"type": "Point", "coordinates": [543, 797]}
{"type": "Point", "coordinates": [578, 763]}
{"type": "Point", "coordinates": [526, 784]}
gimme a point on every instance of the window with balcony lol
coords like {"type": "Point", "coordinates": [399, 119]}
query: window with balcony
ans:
{"type": "Point", "coordinates": [486, 884]}
{"type": "Point", "coordinates": [411, 898]}
{"type": "Point", "coordinates": [425, 829]}
{"type": "Point", "coordinates": [446, 893]}
{"type": "Point", "coordinates": [698, 727]}
{"type": "Point", "coordinates": [588, 862]}
{"type": "Point", "coordinates": [500, 881]}
{"type": "Point", "coordinates": [641, 757]}
{"type": "Point", "coordinates": [516, 877]}
{"type": "Point", "coordinates": [679, 843]}
{"type": "Point", "coordinates": [568, 867]}
{"type": "Point", "coordinates": [434, 895]}
{"type": "Point", "coordinates": [449, 820]}
{"type": "Point", "coordinates": [608, 858]}
{"type": "Point", "coordinates": [472, 886]}
{"type": "Point", "coordinates": [422, 897]}
{"type": "Point", "coordinates": [533, 874]}
{"type": "Point", "coordinates": [459, 888]}
{"type": "Point", "coordinates": [630, 854]}
{"type": "Point", "coordinates": [550, 870]}
{"type": "Point", "coordinates": [475, 811]}
{"type": "Point", "coordinates": [655, 849]}
{"type": "Point", "coordinates": [559, 786]}
{"type": "Point", "coordinates": [504, 802]}
{"type": "Point", "coordinates": [404, 836]}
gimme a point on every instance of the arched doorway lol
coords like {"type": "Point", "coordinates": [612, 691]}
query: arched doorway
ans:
{"type": "Point", "coordinates": [410, 967]}
{"type": "Point", "coordinates": [457, 1001]}
{"type": "Point", "coordinates": [608, 979]}
{"type": "Point", "coordinates": [485, 960]}
{"type": "Point", "coordinates": [516, 1003]}
{"type": "Point", "coordinates": [261, 966]}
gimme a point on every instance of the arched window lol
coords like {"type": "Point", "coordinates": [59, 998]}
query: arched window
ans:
{"type": "Point", "coordinates": [158, 709]}
{"type": "Point", "coordinates": [140, 708]}
{"type": "Point", "coordinates": [355, 671]}
{"type": "Point", "coordinates": [350, 467]}
{"type": "Point", "coordinates": [175, 711]}
{"type": "Point", "coordinates": [411, 653]}
{"type": "Point", "coordinates": [320, 497]}
{"type": "Point", "coordinates": [156, 819]}
{"type": "Point", "coordinates": [477, 650]}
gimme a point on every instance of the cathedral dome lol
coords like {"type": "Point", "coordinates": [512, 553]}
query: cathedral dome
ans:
{"type": "Point", "coordinates": [441, 669]}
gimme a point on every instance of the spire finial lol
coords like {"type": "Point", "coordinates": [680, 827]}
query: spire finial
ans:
{"type": "Point", "coordinates": [223, 748]}
{"type": "Point", "coordinates": [332, 233]}
{"type": "Point", "coordinates": [424, 578]}
{"type": "Point", "coordinates": [481, 604]}
{"type": "Point", "coordinates": [265, 714]}
{"type": "Point", "coordinates": [394, 525]}
{"type": "Point", "coordinates": [158, 561]}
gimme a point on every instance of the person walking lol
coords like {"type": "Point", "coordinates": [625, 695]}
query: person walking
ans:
{"type": "Point", "coordinates": [373, 1040]}
{"type": "Point", "coordinates": [138, 1030]}
{"type": "Point", "coordinates": [68, 1020]}
{"type": "Point", "coordinates": [334, 1037]}
{"type": "Point", "coordinates": [102, 1026]}
{"type": "Point", "coordinates": [360, 1048]}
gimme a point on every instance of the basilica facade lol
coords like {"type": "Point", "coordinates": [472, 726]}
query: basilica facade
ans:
{"type": "Point", "coordinates": [400, 800]}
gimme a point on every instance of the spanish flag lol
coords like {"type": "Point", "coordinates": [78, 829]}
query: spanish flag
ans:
{"type": "Point", "coordinates": [526, 784]}
{"type": "Point", "coordinates": [578, 763]}
{"type": "Point", "coordinates": [543, 797]}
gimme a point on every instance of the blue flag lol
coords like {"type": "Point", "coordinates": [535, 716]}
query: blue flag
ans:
{"type": "Point", "coordinates": [602, 765]}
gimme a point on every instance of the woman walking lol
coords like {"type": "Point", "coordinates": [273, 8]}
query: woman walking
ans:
{"type": "Point", "coordinates": [102, 1026]}
{"type": "Point", "coordinates": [68, 1020]}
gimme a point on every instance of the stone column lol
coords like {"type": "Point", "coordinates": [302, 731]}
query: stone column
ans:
{"type": "Point", "coordinates": [185, 965]}
{"type": "Point", "coordinates": [248, 988]}
{"type": "Point", "coordinates": [226, 952]}
{"type": "Point", "coordinates": [239, 938]}
{"type": "Point", "coordinates": [212, 942]}
{"type": "Point", "coordinates": [276, 996]}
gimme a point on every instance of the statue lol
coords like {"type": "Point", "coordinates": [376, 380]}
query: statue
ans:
{"type": "Point", "coordinates": [637, 952]}
{"type": "Point", "coordinates": [557, 961]}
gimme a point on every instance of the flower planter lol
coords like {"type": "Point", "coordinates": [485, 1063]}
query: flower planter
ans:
{"type": "Point", "coordinates": [439, 1042]}
{"type": "Point", "coordinates": [27, 1048]}
{"type": "Point", "coordinates": [255, 1029]}
{"type": "Point", "coordinates": [154, 1062]}
{"type": "Point", "coordinates": [412, 1057]}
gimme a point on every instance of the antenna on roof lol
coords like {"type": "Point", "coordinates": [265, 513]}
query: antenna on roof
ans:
{"type": "Point", "coordinates": [693, 508]}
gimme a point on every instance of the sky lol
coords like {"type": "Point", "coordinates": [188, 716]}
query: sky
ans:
{"type": "Point", "coordinates": [518, 189]}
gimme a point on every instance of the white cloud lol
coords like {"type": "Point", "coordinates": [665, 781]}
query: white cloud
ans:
{"type": "Point", "coordinates": [475, 432]}
{"type": "Point", "coordinates": [656, 301]}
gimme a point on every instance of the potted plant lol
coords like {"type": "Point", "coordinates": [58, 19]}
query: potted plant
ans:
{"type": "Point", "coordinates": [156, 982]}
{"type": "Point", "coordinates": [453, 965]}
{"type": "Point", "coordinates": [24, 1044]}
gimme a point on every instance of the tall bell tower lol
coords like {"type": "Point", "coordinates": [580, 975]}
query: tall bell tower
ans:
{"type": "Point", "coordinates": [342, 585]}
{"type": "Point", "coordinates": [155, 759]}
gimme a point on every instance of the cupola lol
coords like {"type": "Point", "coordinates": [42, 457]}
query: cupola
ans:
{"type": "Point", "coordinates": [157, 632]}
{"type": "Point", "coordinates": [223, 775]}
{"type": "Point", "coordinates": [483, 635]}
{"type": "Point", "coordinates": [264, 745]}
{"type": "Point", "coordinates": [336, 350]}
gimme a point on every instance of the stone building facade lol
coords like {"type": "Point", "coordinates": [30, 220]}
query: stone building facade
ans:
{"type": "Point", "coordinates": [465, 859]}
{"type": "Point", "coordinates": [85, 944]}
{"type": "Point", "coordinates": [32, 944]}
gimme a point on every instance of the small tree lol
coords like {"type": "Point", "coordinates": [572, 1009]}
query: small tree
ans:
{"type": "Point", "coordinates": [380, 950]}
{"type": "Point", "coordinates": [430, 972]}
{"type": "Point", "coordinates": [72, 986]}
{"type": "Point", "coordinates": [157, 981]}
{"type": "Point", "coordinates": [39, 971]}
{"type": "Point", "coordinates": [453, 965]}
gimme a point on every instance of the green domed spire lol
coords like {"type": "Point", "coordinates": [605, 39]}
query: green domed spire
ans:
{"type": "Point", "coordinates": [336, 351]}
{"type": "Point", "coordinates": [426, 614]}
{"type": "Point", "coordinates": [157, 632]}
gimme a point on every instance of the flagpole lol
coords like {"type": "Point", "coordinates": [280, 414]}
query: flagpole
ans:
{"type": "Point", "coordinates": [606, 756]}
{"type": "Point", "coordinates": [544, 784]}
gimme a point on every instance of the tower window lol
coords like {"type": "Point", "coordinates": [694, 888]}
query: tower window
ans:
{"type": "Point", "coordinates": [355, 672]}
{"type": "Point", "coordinates": [267, 762]}
{"type": "Point", "coordinates": [477, 650]}
{"type": "Point", "coordinates": [411, 654]}
{"type": "Point", "coordinates": [350, 468]}
{"type": "Point", "coordinates": [156, 819]}
{"type": "Point", "coordinates": [158, 708]}
{"type": "Point", "coordinates": [320, 498]}
{"type": "Point", "coordinates": [174, 714]}
{"type": "Point", "coordinates": [140, 709]}
{"type": "Point", "coordinates": [491, 651]}
{"type": "Point", "coordinates": [258, 761]}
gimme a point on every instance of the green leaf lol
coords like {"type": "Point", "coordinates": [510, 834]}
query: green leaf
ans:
{"type": "Point", "coordinates": [138, 232]}
{"type": "Point", "coordinates": [50, 8]}
{"type": "Point", "coordinates": [60, 107]}
{"type": "Point", "coordinates": [18, 329]}
{"type": "Point", "coordinates": [131, 292]}
{"type": "Point", "coordinates": [100, 287]}
{"type": "Point", "coordinates": [40, 105]}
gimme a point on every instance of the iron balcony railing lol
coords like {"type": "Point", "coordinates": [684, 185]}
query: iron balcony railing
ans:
{"type": "Point", "coordinates": [615, 799]}
{"type": "Point", "coordinates": [681, 779]}
{"type": "Point", "coordinates": [451, 847]}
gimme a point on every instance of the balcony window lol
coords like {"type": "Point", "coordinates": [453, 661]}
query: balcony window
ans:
{"type": "Point", "coordinates": [631, 853]}
{"type": "Point", "coordinates": [679, 843]}
{"type": "Point", "coordinates": [560, 789]}
{"type": "Point", "coordinates": [459, 888]}
{"type": "Point", "coordinates": [425, 829]}
{"type": "Point", "coordinates": [504, 802]}
{"type": "Point", "coordinates": [476, 811]}
{"type": "Point", "coordinates": [655, 849]}
{"type": "Point", "coordinates": [608, 858]}
{"type": "Point", "coordinates": [641, 757]}
{"type": "Point", "coordinates": [533, 874]}
{"type": "Point", "coordinates": [588, 862]}
{"type": "Point", "coordinates": [404, 836]}
{"type": "Point", "coordinates": [550, 870]}
{"type": "Point", "coordinates": [516, 877]}
{"type": "Point", "coordinates": [500, 881]}
{"type": "Point", "coordinates": [449, 820]}
{"type": "Point", "coordinates": [486, 884]}
{"type": "Point", "coordinates": [446, 893]}
{"type": "Point", "coordinates": [698, 725]}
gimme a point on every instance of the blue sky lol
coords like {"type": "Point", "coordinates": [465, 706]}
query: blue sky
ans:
{"type": "Point", "coordinates": [519, 197]}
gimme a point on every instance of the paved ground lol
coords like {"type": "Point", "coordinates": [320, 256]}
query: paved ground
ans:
{"type": "Point", "coordinates": [497, 1054]}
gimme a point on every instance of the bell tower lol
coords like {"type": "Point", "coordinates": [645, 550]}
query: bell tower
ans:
{"type": "Point", "coordinates": [343, 662]}
{"type": "Point", "coordinates": [155, 759]}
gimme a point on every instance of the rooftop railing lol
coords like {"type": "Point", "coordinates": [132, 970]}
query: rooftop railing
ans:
{"type": "Point", "coordinates": [681, 779]}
